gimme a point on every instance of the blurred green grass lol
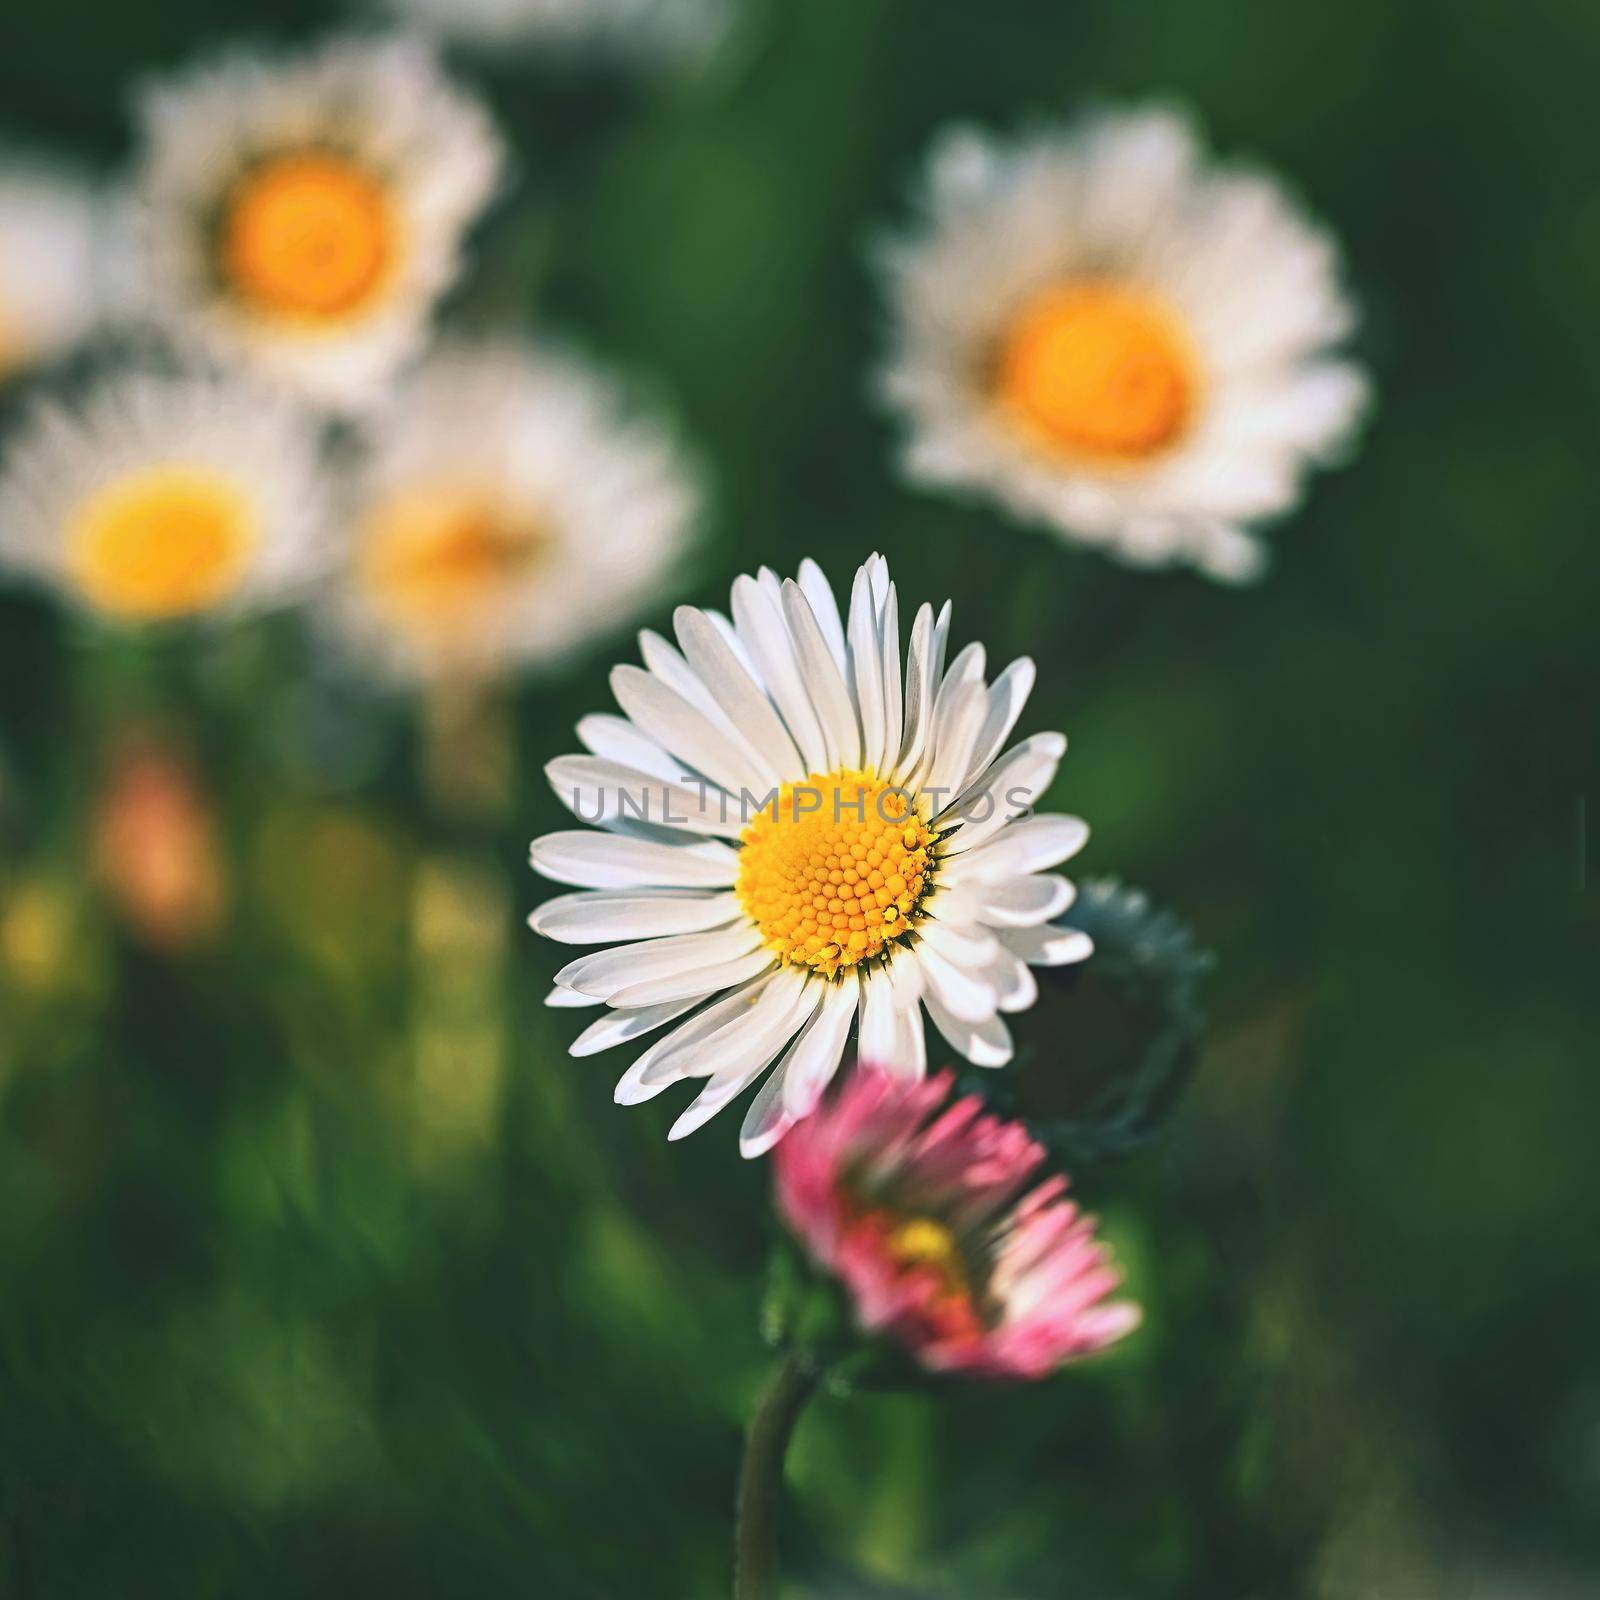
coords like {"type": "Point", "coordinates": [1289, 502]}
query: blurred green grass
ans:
{"type": "Point", "coordinates": [290, 1307]}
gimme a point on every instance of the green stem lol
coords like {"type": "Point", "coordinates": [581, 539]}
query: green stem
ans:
{"type": "Point", "coordinates": [755, 1564]}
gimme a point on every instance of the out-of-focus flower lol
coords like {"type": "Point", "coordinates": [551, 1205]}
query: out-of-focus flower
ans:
{"type": "Point", "coordinates": [155, 847]}
{"type": "Point", "coordinates": [50, 291]}
{"type": "Point", "coordinates": [162, 497]}
{"type": "Point", "coordinates": [516, 505]}
{"type": "Point", "coordinates": [923, 1211]}
{"type": "Point", "coordinates": [304, 215]}
{"type": "Point", "coordinates": [804, 826]}
{"type": "Point", "coordinates": [39, 931]}
{"type": "Point", "coordinates": [1112, 340]}
{"type": "Point", "coordinates": [1135, 1018]}
{"type": "Point", "coordinates": [634, 29]}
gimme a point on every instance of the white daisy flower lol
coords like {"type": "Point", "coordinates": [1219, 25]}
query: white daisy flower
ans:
{"type": "Point", "coordinates": [50, 288]}
{"type": "Point", "coordinates": [305, 215]}
{"type": "Point", "coordinates": [516, 505]}
{"type": "Point", "coordinates": [1116, 341]}
{"type": "Point", "coordinates": [638, 29]}
{"type": "Point", "coordinates": [165, 497]}
{"type": "Point", "coordinates": [801, 829]}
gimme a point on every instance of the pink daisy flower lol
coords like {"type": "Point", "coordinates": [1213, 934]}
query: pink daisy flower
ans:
{"type": "Point", "coordinates": [922, 1215]}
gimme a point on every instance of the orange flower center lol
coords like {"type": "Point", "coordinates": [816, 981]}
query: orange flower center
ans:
{"type": "Point", "coordinates": [308, 235]}
{"type": "Point", "coordinates": [434, 560]}
{"type": "Point", "coordinates": [927, 1247]}
{"type": "Point", "coordinates": [1096, 370]}
{"type": "Point", "coordinates": [162, 542]}
{"type": "Point", "coordinates": [926, 1242]}
{"type": "Point", "coordinates": [834, 868]}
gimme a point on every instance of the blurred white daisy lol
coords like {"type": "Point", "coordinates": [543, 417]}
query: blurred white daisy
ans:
{"type": "Point", "coordinates": [516, 505]}
{"type": "Point", "coordinates": [304, 215]}
{"type": "Point", "coordinates": [163, 497]}
{"type": "Point", "coordinates": [1114, 340]}
{"type": "Point", "coordinates": [803, 828]}
{"type": "Point", "coordinates": [50, 294]}
{"type": "Point", "coordinates": [637, 29]}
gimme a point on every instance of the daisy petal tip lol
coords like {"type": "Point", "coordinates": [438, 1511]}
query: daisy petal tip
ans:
{"type": "Point", "coordinates": [686, 1124]}
{"type": "Point", "coordinates": [752, 1146]}
{"type": "Point", "coordinates": [566, 998]}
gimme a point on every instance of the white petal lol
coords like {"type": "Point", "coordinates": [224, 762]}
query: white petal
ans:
{"type": "Point", "coordinates": [956, 726]}
{"type": "Point", "coordinates": [730, 635]}
{"type": "Point", "coordinates": [731, 686]}
{"type": "Point", "coordinates": [716, 1094]}
{"type": "Point", "coordinates": [908, 1052]}
{"type": "Point", "coordinates": [919, 693]}
{"type": "Point", "coordinates": [751, 1050]}
{"type": "Point", "coordinates": [894, 703]}
{"type": "Point", "coordinates": [759, 619]}
{"type": "Point", "coordinates": [966, 668]}
{"type": "Point", "coordinates": [1013, 982]}
{"type": "Point", "coordinates": [1007, 695]}
{"type": "Point", "coordinates": [616, 739]}
{"type": "Point", "coordinates": [569, 999]}
{"type": "Point", "coordinates": [674, 724]}
{"type": "Point", "coordinates": [1030, 845]}
{"type": "Point", "coordinates": [966, 944]}
{"type": "Point", "coordinates": [600, 791]}
{"type": "Point", "coordinates": [701, 981]}
{"type": "Point", "coordinates": [602, 916]}
{"type": "Point", "coordinates": [604, 861]}
{"type": "Point", "coordinates": [824, 607]}
{"type": "Point", "coordinates": [606, 973]}
{"type": "Point", "coordinates": [817, 1053]}
{"type": "Point", "coordinates": [1005, 790]}
{"type": "Point", "coordinates": [819, 673]}
{"type": "Point", "coordinates": [766, 1121]}
{"type": "Point", "coordinates": [875, 1047]}
{"type": "Point", "coordinates": [665, 663]}
{"type": "Point", "coordinates": [637, 1083]}
{"type": "Point", "coordinates": [812, 1054]}
{"type": "Point", "coordinates": [941, 643]}
{"type": "Point", "coordinates": [1025, 902]}
{"type": "Point", "coordinates": [866, 671]}
{"type": "Point", "coordinates": [1048, 946]}
{"type": "Point", "coordinates": [984, 1044]}
{"type": "Point", "coordinates": [618, 1027]}
{"type": "Point", "coordinates": [766, 1005]}
{"type": "Point", "coordinates": [956, 990]}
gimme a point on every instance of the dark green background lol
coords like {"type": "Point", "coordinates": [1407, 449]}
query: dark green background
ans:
{"type": "Point", "coordinates": [274, 1322]}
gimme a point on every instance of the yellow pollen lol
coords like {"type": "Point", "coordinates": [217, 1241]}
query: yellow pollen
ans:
{"type": "Point", "coordinates": [925, 1242]}
{"type": "Point", "coordinates": [1096, 370]}
{"type": "Point", "coordinates": [435, 559]}
{"type": "Point", "coordinates": [833, 870]}
{"type": "Point", "coordinates": [307, 235]}
{"type": "Point", "coordinates": [162, 542]}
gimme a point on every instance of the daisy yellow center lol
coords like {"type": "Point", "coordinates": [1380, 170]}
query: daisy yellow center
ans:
{"type": "Point", "coordinates": [434, 558]}
{"type": "Point", "coordinates": [928, 1243]}
{"type": "Point", "coordinates": [162, 542]}
{"type": "Point", "coordinates": [833, 870]}
{"type": "Point", "coordinates": [308, 235]}
{"type": "Point", "coordinates": [927, 1247]}
{"type": "Point", "coordinates": [1097, 370]}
